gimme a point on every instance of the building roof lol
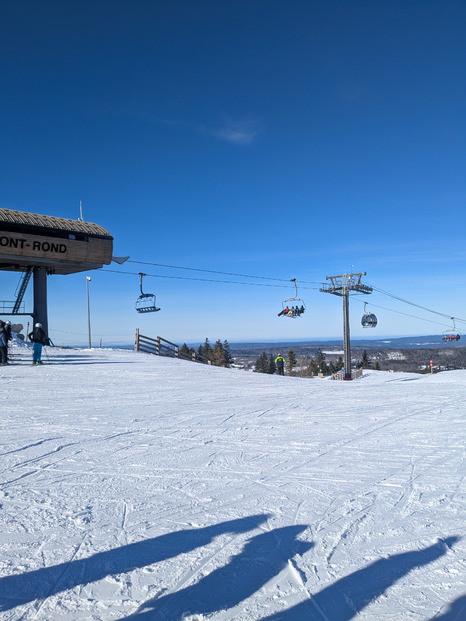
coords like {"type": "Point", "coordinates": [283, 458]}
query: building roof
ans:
{"type": "Point", "coordinates": [37, 221]}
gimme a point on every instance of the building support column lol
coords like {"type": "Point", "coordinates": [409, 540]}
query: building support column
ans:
{"type": "Point", "coordinates": [40, 298]}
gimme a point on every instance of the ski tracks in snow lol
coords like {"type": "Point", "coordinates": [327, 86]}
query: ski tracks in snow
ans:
{"type": "Point", "coordinates": [373, 469]}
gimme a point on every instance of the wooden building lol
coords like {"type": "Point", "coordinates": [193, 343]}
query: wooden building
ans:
{"type": "Point", "coordinates": [41, 245]}
{"type": "Point", "coordinates": [60, 245]}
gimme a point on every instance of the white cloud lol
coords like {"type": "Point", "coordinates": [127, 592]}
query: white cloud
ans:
{"type": "Point", "coordinates": [238, 132]}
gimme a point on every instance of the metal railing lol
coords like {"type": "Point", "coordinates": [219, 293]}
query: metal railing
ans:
{"type": "Point", "coordinates": [8, 306]}
{"type": "Point", "coordinates": [340, 375]}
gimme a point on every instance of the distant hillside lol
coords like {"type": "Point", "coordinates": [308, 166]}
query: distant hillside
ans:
{"type": "Point", "coordinates": [404, 342]}
{"type": "Point", "coordinates": [409, 354]}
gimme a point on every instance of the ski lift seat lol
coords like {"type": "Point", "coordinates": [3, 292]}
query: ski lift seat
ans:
{"type": "Point", "coordinates": [298, 304]}
{"type": "Point", "coordinates": [453, 334]}
{"type": "Point", "coordinates": [146, 304]}
{"type": "Point", "coordinates": [451, 337]}
{"type": "Point", "coordinates": [146, 301]}
{"type": "Point", "coordinates": [295, 302]}
{"type": "Point", "coordinates": [369, 320]}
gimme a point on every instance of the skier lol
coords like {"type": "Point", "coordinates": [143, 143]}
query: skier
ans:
{"type": "Point", "coordinates": [8, 330]}
{"type": "Point", "coordinates": [285, 311]}
{"type": "Point", "coordinates": [8, 337]}
{"type": "Point", "coordinates": [3, 344]}
{"type": "Point", "coordinates": [280, 364]}
{"type": "Point", "coordinates": [39, 338]}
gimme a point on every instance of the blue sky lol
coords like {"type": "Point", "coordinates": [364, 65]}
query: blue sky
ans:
{"type": "Point", "coordinates": [281, 139]}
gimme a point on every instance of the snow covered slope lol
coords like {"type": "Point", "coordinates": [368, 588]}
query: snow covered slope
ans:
{"type": "Point", "coordinates": [141, 487]}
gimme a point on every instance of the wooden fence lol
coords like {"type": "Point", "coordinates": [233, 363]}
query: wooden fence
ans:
{"type": "Point", "coordinates": [162, 347]}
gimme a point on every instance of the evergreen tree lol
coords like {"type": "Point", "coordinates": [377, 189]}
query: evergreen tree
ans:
{"type": "Point", "coordinates": [184, 349]}
{"type": "Point", "coordinates": [377, 366]}
{"type": "Point", "coordinates": [321, 362]}
{"type": "Point", "coordinates": [205, 350]}
{"type": "Point", "coordinates": [262, 364]}
{"type": "Point", "coordinates": [290, 362]}
{"type": "Point", "coordinates": [340, 364]}
{"type": "Point", "coordinates": [227, 354]}
{"type": "Point", "coordinates": [217, 353]}
{"type": "Point", "coordinates": [272, 365]}
{"type": "Point", "coordinates": [312, 367]}
{"type": "Point", "coordinates": [365, 362]}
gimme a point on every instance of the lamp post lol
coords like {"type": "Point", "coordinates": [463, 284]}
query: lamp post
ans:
{"type": "Point", "coordinates": [88, 279]}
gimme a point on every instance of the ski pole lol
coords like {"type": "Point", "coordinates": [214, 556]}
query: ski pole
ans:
{"type": "Point", "coordinates": [47, 356]}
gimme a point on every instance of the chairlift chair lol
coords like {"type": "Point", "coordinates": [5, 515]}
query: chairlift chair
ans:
{"type": "Point", "coordinates": [368, 320]}
{"type": "Point", "coordinates": [296, 301]}
{"type": "Point", "coordinates": [146, 301]}
{"type": "Point", "coordinates": [451, 335]}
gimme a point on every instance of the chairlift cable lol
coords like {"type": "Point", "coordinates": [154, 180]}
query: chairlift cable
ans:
{"type": "Point", "coordinates": [195, 269]}
{"type": "Point", "coordinates": [395, 297]}
{"type": "Point", "coordinates": [391, 310]}
{"type": "Point", "coordinates": [252, 284]}
{"type": "Point", "coordinates": [228, 282]}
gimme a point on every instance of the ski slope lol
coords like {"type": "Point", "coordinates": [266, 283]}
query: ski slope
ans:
{"type": "Point", "coordinates": [138, 487]}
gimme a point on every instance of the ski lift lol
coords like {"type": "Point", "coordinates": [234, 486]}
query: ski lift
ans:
{"type": "Point", "coordinates": [368, 320]}
{"type": "Point", "coordinates": [297, 305]}
{"type": "Point", "coordinates": [146, 301]}
{"type": "Point", "coordinates": [451, 335]}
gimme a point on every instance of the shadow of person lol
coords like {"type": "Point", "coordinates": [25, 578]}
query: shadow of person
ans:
{"type": "Point", "coordinates": [456, 611]}
{"type": "Point", "coordinates": [41, 583]}
{"type": "Point", "coordinates": [261, 559]}
{"type": "Point", "coordinates": [344, 599]}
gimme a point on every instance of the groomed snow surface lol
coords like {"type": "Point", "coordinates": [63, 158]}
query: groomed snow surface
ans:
{"type": "Point", "coordinates": [139, 487]}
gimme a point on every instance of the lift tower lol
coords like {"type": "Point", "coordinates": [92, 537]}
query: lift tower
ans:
{"type": "Point", "coordinates": [342, 286]}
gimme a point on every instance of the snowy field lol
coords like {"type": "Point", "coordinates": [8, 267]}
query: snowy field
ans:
{"type": "Point", "coordinates": [138, 487]}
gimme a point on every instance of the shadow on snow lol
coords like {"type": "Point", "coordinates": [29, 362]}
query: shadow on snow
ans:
{"type": "Point", "coordinates": [42, 583]}
{"type": "Point", "coordinates": [262, 558]}
{"type": "Point", "coordinates": [345, 598]}
{"type": "Point", "coordinates": [456, 611]}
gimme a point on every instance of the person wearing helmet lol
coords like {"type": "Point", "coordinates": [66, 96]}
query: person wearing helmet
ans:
{"type": "Point", "coordinates": [280, 364]}
{"type": "Point", "coordinates": [8, 330]}
{"type": "Point", "coordinates": [39, 338]}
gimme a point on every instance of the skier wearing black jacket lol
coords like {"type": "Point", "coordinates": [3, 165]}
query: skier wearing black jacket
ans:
{"type": "Point", "coordinates": [39, 338]}
{"type": "Point", "coordinates": [3, 344]}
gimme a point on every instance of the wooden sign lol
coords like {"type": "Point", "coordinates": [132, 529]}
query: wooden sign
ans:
{"type": "Point", "coordinates": [55, 251]}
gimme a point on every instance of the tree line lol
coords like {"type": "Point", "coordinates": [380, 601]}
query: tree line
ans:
{"type": "Point", "coordinates": [219, 355]}
{"type": "Point", "coordinates": [307, 367]}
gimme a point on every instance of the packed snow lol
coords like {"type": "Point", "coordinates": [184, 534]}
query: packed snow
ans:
{"type": "Point", "coordinates": [134, 486]}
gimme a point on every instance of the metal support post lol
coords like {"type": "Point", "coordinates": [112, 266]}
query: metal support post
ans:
{"type": "Point", "coordinates": [40, 297]}
{"type": "Point", "coordinates": [88, 278]}
{"type": "Point", "coordinates": [342, 286]}
{"type": "Point", "coordinates": [346, 335]}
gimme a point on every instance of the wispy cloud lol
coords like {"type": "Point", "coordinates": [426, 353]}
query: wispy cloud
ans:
{"type": "Point", "coordinates": [241, 132]}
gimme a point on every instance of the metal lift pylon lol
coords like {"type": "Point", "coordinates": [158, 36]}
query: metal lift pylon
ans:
{"type": "Point", "coordinates": [342, 286]}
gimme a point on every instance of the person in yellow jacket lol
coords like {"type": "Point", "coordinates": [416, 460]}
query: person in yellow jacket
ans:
{"type": "Point", "coordinates": [280, 364]}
